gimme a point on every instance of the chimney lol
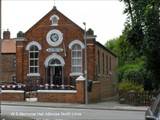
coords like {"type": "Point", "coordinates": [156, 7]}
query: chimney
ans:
{"type": "Point", "coordinates": [6, 34]}
{"type": "Point", "coordinates": [20, 34]}
{"type": "Point", "coordinates": [90, 35]}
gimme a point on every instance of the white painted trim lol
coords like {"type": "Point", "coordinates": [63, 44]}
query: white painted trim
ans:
{"type": "Point", "coordinates": [31, 99]}
{"type": "Point", "coordinates": [76, 42]}
{"type": "Point", "coordinates": [33, 74]}
{"type": "Point", "coordinates": [91, 37]}
{"type": "Point", "coordinates": [75, 74]}
{"type": "Point", "coordinates": [57, 91]}
{"type": "Point", "coordinates": [33, 43]}
{"type": "Point", "coordinates": [81, 78]}
{"type": "Point", "coordinates": [89, 44]}
{"type": "Point", "coordinates": [54, 56]}
{"type": "Point", "coordinates": [12, 91]}
{"type": "Point", "coordinates": [19, 39]}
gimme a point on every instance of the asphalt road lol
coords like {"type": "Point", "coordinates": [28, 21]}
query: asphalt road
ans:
{"type": "Point", "coordinates": [46, 113]}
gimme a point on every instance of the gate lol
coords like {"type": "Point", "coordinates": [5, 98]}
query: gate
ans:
{"type": "Point", "coordinates": [31, 88]}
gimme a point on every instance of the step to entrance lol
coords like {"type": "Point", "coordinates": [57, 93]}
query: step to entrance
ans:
{"type": "Point", "coordinates": [31, 99]}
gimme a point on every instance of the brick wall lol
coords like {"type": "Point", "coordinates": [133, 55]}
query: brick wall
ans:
{"type": "Point", "coordinates": [105, 72]}
{"type": "Point", "coordinates": [12, 96]}
{"type": "Point", "coordinates": [77, 96]}
{"type": "Point", "coordinates": [7, 68]}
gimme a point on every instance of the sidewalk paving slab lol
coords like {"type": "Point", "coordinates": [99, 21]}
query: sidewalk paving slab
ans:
{"type": "Point", "coordinates": [109, 105]}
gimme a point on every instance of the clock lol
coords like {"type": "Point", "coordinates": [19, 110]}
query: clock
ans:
{"type": "Point", "coordinates": [54, 37]}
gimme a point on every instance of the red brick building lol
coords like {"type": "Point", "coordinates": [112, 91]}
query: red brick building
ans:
{"type": "Point", "coordinates": [7, 58]}
{"type": "Point", "coordinates": [50, 57]}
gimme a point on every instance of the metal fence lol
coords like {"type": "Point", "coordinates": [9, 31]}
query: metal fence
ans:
{"type": "Point", "coordinates": [137, 98]}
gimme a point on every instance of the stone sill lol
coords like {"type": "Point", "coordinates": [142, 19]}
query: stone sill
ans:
{"type": "Point", "coordinates": [57, 91]}
{"type": "Point", "coordinates": [12, 91]}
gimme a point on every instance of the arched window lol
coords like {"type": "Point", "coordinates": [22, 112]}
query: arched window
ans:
{"type": "Point", "coordinates": [76, 52]}
{"type": "Point", "coordinates": [33, 59]}
{"type": "Point", "coordinates": [55, 62]}
{"type": "Point", "coordinates": [54, 19]}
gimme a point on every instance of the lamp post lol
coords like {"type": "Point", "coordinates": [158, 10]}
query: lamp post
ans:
{"type": "Point", "coordinates": [85, 70]}
{"type": "Point", "coordinates": [0, 101]}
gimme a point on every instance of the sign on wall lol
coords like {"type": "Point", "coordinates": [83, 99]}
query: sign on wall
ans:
{"type": "Point", "coordinates": [54, 50]}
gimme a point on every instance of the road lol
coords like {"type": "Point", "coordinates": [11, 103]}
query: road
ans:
{"type": "Point", "coordinates": [46, 113]}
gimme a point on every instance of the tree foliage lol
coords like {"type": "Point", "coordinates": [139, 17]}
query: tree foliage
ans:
{"type": "Point", "coordinates": [139, 42]}
{"type": "Point", "coordinates": [143, 33]}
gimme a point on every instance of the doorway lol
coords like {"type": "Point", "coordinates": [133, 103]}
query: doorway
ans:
{"type": "Point", "coordinates": [55, 72]}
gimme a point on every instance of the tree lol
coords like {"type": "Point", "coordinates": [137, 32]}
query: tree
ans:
{"type": "Point", "coordinates": [143, 33]}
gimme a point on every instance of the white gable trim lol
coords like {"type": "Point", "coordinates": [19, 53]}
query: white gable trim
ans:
{"type": "Point", "coordinates": [33, 43]}
{"type": "Point", "coordinates": [76, 42]}
{"type": "Point", "coordinates": [54, 56]}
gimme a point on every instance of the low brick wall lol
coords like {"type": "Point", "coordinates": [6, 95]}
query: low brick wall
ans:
{"type": "Point", "coordinates": [57, 96]}
{"type": "Point", "coordinates": [63, 96]}
{"type": "Point", "coordinates": [12, 95]}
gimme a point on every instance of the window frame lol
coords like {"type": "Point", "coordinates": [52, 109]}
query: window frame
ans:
{"type": "Point", "coordinates": [78, 67]}
{"type": "Point", "coordinates": [34, 59]}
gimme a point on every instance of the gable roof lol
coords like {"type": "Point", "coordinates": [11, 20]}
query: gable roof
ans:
{"type": "Point", "coordinates": [54, 10]}
{"type": "Point", "coordinates": [102, 46]}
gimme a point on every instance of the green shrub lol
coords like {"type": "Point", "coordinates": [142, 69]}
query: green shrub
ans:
{"type": "Point", "coordinates": [128, 86]}
{"type": "Point", "coordinates": [134, 71]}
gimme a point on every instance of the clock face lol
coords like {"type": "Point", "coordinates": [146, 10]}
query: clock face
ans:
{"type": "Point", "coordinates": [54, 37]}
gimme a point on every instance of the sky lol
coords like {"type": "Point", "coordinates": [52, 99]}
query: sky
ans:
{"type": "Point", "coordinates": [105, 17]}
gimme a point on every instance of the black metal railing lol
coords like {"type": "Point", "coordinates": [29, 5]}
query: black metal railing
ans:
{"type": "Point", "coordinates": [17, 86]}
{"type": "Point", "coordinates": [137, 98]}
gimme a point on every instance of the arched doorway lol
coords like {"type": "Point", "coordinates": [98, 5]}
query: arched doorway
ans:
{"type": "Point", "coordinates": [54, 70]}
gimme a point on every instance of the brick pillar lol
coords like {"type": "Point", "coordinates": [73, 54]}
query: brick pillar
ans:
{"type": "Point", "coordinates": [80, 85]}
{"type": "Point", "coordinates": [19, 61]}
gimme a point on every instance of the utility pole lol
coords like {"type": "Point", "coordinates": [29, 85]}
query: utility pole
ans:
{"type": "Point", "coordinates": [85, 71]}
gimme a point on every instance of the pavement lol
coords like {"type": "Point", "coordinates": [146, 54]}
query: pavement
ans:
{"type": "Point", "coordinates": [108, 105]}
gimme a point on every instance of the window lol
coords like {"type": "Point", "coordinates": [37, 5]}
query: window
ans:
{"type": "Point", "coordinates": [76, 58]}
{"type": "Point", "coordinates": [110, 63]}
{"type": "Point", "coordinates": [33, 59]}
{"type": "Point", "coordinates": [54, 20]}
{"type": "Point", "coordinates": [103, 62]}
{"type": "Point", "coordinates": [98, 62]}
{"type": "Point", "coordinates": [55, 62]}
{"type": "Point", "coordinates": [107, 64]}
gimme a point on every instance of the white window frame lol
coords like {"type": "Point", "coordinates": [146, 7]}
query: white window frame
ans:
{"type": "Point", "coordinates": [35, 43]}
{"type": "Point", "coordinates": [54, 56]}
{"type": "Point", "coordinates": [34, 60]}
{"type": "Point", "coordinates": [78, 66]}
{"type": "Point", "coordinates": [82, 47]}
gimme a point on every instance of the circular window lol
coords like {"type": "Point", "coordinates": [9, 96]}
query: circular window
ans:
{"type": "Point", "coordinates": [54, 37]}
